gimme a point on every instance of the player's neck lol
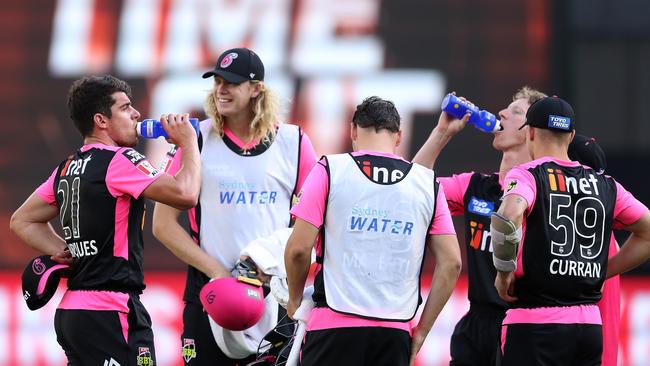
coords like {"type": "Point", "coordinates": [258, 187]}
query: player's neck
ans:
{"type": "Point", "coordinates": [511, 158]}
{"type": "Point", "coordinates": [240, 127]}
{"type": "Point", "coordinates": [382, 141]}
{"type": "Point", "coordinates": [550, 150]}
{"type": "Point", "coordinates": [99, 139]}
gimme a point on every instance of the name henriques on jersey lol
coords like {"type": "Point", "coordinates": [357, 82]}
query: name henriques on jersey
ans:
{"type": "Point", "coordinates": [482, 198]}
{"type": "Point", "coordinates": [102, 232]}
{"type": "Point", "coordinates": [565, 247]}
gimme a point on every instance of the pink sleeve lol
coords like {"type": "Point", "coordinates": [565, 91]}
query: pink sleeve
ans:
{"type": "Point", "coordinates": [521, 182]}
{"type": "Point", "coordinates": [46, 190]}
{"type": "Point", "coordinates": [307, 159]}
{"type": "Point", "coordinates": [455, 188]}
{"type": "Point", "coordinates": [130, 173]}
{"type": "Point", "coordinates": [628, 209]}
{"type": "Point", "coordinates": [312, 197]}
{"type": "Point", "coordinates": [442, 223]}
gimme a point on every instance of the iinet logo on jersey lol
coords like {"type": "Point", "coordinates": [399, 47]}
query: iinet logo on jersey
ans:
{"type": "Point", "coordinates": [480, 239]}
{"type": "Point", "coordinates": [558, 182]}
{"type": "Point", "coordinates": [380, 174]}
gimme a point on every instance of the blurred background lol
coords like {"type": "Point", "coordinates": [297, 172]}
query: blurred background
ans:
{"type": "Point", "coordinates": [323, 57]}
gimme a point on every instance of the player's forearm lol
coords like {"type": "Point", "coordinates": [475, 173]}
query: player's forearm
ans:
{"type": "Point", "coordinates": [429, 152]}
{"type": "Point", "coordinates": [171, 234]}
{"type": "Point", "coordinates": [634, 251]}
{"type": "Point", "coordinates": [297, 262]}
{"type": "Point", "coordinates": [444, 279]}
{"type": "Point", "coordinates": [31, 224]}
{"type": "Point", "coordinates": [38, 235]}
{"type": "Point", "coordinates": [188, 178]}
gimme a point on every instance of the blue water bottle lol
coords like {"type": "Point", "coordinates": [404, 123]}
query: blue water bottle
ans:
{"type": "Point", "coordinates": [152, 128]}
{"type": "Point", "coordinates": [481, 119]}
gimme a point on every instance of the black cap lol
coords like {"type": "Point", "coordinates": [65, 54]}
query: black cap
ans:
{"type": "Point", "coordinates": [40, 279]}
{"type": "Point", "coordinates": [238, 65]}
{"type": "Point", "coordinates": [551, 113]}
{"type": "Point", "coordinates": [587, 151]}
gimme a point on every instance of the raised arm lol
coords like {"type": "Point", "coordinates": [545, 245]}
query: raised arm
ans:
{"type": "Point", "coordinates": [168, 231]}
{"type": "Point", "coordinates": [447, 127]}
{"type": "Point", "coordinates": [448, 264]}
{"type": "Point", "coordinates": [180, 190]}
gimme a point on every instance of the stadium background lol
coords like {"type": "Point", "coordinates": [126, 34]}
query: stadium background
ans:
{"type": "Point", "coordinates": [323, 57]}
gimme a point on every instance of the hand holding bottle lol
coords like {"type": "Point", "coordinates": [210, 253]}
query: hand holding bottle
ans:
{"type": "Point", "coordinates": [152, 128]}
{"type": "Point", "coordinates": [176, 128]}
{"type": "Point", "coordinates": [481, 119]}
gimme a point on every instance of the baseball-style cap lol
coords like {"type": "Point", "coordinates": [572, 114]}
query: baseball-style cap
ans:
{"type": "Point", "coordinates": [40, 279]}
{"type": "Point", "coordinates": [551, 113]}
{"type": "Point", "coordinates": [587, 151]}
{"type": "Point", "coordinates": [237, 65]}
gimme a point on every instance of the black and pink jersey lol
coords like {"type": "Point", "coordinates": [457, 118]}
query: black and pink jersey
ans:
{"type": "Point", "coordinates": [97, 192]}
{"type": "Point", "coordinates": [567, 230]}
{"type": "Point", "coordinates": [476, 196]}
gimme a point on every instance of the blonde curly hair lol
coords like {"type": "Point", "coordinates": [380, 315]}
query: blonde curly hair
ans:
{"type": "Point", "coordinates": [266, 110]}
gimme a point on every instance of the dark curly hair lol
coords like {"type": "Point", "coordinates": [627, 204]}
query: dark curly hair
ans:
{"type": "Point", "coordinates": [378, 113]}
{"type": "Point", "coordinates": [90, 95]}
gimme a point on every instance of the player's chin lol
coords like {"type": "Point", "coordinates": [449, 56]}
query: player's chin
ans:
{"type": "Point", "coordinates": [132, 142]}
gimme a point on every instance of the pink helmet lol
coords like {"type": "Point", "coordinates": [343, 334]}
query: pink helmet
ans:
{"type": "Point", "coordinates": [233, 303]}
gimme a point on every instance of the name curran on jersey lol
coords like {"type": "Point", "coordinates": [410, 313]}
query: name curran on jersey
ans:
{"type": "Point", "coordinates": [559, 184]}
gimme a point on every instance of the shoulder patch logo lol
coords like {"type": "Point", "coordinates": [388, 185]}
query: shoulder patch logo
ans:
{"type": "Point", "coordinates": [296, 199]}
{"type": "Point", "coordinates": [146, 168]}
{"type": "Point", "coordinates": [133, 156]}
{"type": "Point", "coordinates": [511, 185]}
{"type": "Point", "coordinates": [480, 207]}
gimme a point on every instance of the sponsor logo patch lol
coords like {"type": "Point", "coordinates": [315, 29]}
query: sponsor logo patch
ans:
{"type": "Point", "coordinates": [173, 149]}
{"type": "Point", "coordinates": [559, 122]}
{"type": "Point", "coordinates": [166, 164]}
{"type": "Point", "coordinates": [146, 168]}
{"type": "Point", "coordinates": [511, 185]}
{"type": "Point", "coordinates": [252, 293]}
{"type": "Point", "coordinates": [480, 207]}
{"type": "Point", "coordinates": [189, 349]}
{"type": "Point", "coordinates": [144, 357]}
{"type": "Point", "coordinates": [476, 234]}
{"type": "Point", "coordinates": [133, 156]}
{"type": "Point", "coordinates": [296, 199]}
